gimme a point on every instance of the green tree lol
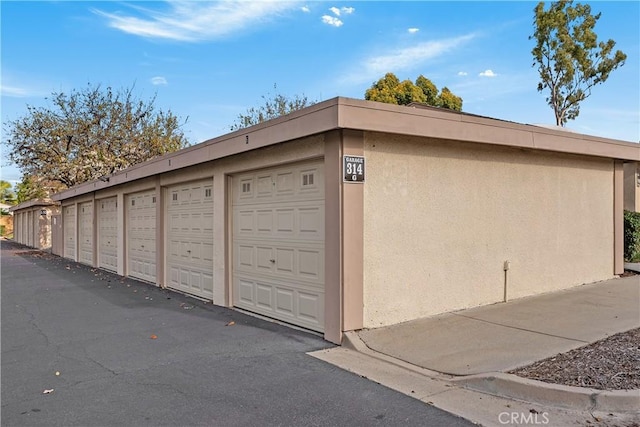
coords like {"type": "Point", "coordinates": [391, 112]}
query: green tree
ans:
{"type": "Point", "coordinates": [89, 133]}
{"type": "Point", "coordinates": [447, 99]}
{"type": "Point", "coordinates": [384, 90]}
{"type": "Point", "coordinates": [429, 89]}
{"type": "Point", "coordinates": [29, 188]}
{"type": "Point", "coordinates": [391, 90]}
{"type": "Point", "coordinates": [32, 187]}
{"type": "Point", "coordinates": [274, 106]}
{"type": "Point", "coordinates": [7, 195]}
{"type": "Point", "coordinates": [569, 57]}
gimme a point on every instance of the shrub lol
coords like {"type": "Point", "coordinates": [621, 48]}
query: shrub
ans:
{"type": "Point", "coordinates": [632, 236]}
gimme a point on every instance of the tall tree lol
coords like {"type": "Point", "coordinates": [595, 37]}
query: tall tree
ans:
{"type": "Point", "coordinates": [29, 188]}
{"type": "Point", "coordinates": [569, 57]}
{"type": "Point", "coordinates": [274, 106]}
{"type": "Point", "coordinates": [447, 99]}
{"type": "Point", "coordinates": [429, 89]}
{"type": "Point", "coordinates": [391, 90]}
{"type": "Point", "coordinates": [89, 133]}
{"type": "Point", "coordinates": [7, 195]}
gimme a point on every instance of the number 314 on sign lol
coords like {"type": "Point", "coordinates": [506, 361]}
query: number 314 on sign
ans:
{"type": "Point", "coordinates": [353, 169]}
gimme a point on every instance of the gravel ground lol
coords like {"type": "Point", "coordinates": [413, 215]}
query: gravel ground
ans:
{"type": "Point", "coordinates": [610, 364]}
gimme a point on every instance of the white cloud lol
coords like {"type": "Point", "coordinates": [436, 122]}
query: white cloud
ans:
{"type": "Point", "coordinates": [462, 73]}
{"type": "Point", "coordinates": [11, 88]}
{"type": "Point", "coordinates": [305, 9]}
{"type": "Point", "coordinates": [413, 30]}
{"type": "Point", "coordinates": [14, 92]}
{"type": "Point", "coordinates": [332, 20]}
{"type": "Point", "coordinates": [348, 10]}
{"type": "Point", "coordinates": [196, 21]}
{"type": "Point", "coordinates": [159, 81]}
{"type": "Point", "coordinates": [335, 10]}
{"type": "Point", "coordinates": [404, 58]}
{"type": "Point", "coordinates": [487, 73]}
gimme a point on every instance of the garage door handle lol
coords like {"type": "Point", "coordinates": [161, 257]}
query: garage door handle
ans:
{"type": "Point", "coordinates": [142, 246]}
{"type": "Point", "coordinates": [272, 260]}
{"type": "Point", "coordinates": [188, 251]}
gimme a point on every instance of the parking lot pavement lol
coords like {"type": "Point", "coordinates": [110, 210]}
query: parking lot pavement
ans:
{"type": "Point", "coordinates": [81, 346]}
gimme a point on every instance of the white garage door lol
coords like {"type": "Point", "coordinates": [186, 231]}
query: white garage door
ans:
{"type": "Point", "coordinates": [69, 224]}
{"type": "Point", "coordinates": [108, 234]}
{"type": "Point", "coordinates": [30, 228]}
{"type": "Point", "coordinates": [141, 235]}
{"type": "Point", "coordinates": [17, 224]}
{"type": "Point", "coordinates": [190, 238]}
{"type": "Point", "coordinates": [278, 244]}
{"type": "Point", "coordinates": [85, 232]}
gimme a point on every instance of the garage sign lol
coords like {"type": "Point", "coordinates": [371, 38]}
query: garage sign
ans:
{"type": "Point", "coordinates": [353, 168]}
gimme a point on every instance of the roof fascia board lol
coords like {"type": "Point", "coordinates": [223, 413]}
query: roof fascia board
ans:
{"type": "Point", "coordinates": [450, 125]}
{"type": "Point", "coordinates": [316, 119]}
{"type": "Point", "coordinates": [347, 113]}
{"type": "Point", "coordinates": [32, 203]}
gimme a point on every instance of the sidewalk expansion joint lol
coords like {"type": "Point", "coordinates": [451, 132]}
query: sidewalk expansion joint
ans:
{"type": "Point", "coordinates": [521, 329]}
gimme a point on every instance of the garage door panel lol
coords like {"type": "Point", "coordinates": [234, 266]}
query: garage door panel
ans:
{"type": "Point", "coordinates": [284, 261]}
{"type": "Point", "coordinates": [244, 292]}
{"type": "Point", "coordinates": [265, 184]}
{"type": "Point", "coordinates": [264, 296]}
{"type": "Point", "coordinates": [287, 301]}
{"type": "Point", "coordinates": [284, 302]}
{"type": "Point", "coordinates": [244, 257]}
{"type": "Point", "coordinates": [69, 224]}
{"type": "Point", "coordinates": [299, 184]}
{"type": "Point", "coordinates": [190, 237]}
{"type": "Point", "coordinates": [309, 306]}
{"type": "Point", "coordinates": [108, 234]}
{"type": "Point", "coordinates": [306, 264]}
{"type": "Point", "coordinates": [294, 221]}
{"type": "Point", "coordinates": [278, 243]}
{"type": "Point", "coordinates": [310, 264]}
{"type": "Point", "coordinates": [85, 235]}
{"type": "Point", "coordinates": [141, 235]}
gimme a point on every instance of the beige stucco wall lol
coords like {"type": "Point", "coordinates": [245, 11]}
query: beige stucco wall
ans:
{"type": "Point", "coordinates": [632, 187]}
{"type": "Point", "coordinates": [441, 218]}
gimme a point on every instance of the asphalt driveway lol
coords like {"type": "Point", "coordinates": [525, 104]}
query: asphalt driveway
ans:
{"type": "Point", "coordinates": [113, 351]}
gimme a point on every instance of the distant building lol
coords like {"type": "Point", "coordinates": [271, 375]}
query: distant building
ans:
{"type": "Point", "coordinates": [4, 209]}
{"type": "Point", "coordinates": [33, 222]}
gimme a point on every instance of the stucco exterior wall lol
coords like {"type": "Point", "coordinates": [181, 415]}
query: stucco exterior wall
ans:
{"type": "Point", "coordinates": [632, 187]}
{"type": "Point", "coordinates": [441, 219]}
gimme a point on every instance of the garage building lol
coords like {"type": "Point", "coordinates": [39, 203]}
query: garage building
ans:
{"type": "Point", "coordinates": [33, 221]}
{"type": "Point", "coordinates": [352, 214]}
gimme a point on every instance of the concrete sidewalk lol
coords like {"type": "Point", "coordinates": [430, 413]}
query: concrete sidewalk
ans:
{"type": "Point", "coordinates": [633, 266]}
{"type": "Point", "coordinates": [459, 361]}
{"type": "Point", "coordinates": [500, 337]}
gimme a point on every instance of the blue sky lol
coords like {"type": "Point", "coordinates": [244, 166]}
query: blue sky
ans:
{"type": "Point", "coordinates": [210, 61]}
